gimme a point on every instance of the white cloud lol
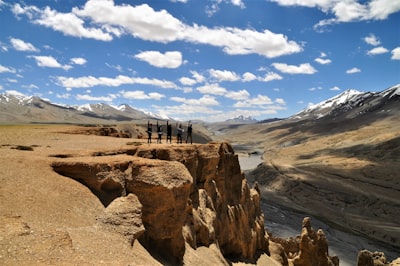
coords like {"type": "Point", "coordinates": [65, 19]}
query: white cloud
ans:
{"type": "Point", "coordinates": [305, 68]}
{"type": "Point", "coordinates": [206, 100]}
{"type": "Point", "coordinates": [236, 41]}
{"type": "Point", "coordinates": [223, 75]}
{"type": "Point", "coordinates": [143, 22]}
{"type": "Point", "coordinates": [67, 23]}
{"type": "Point", "coordinates": [353, 70]}
{"type": "Point", "coordinates": [378, 50]}
{"type": "Point", "coordinates": [280, 101]}
{"type": "Point", "coordinates": [335, 88]}
{"type": "Point", "coordinates": [270, 76]}
{"type": "Point", "coordinates": [213, 88]}
{"type": "Point", "coordinates": [16, 93]}
{"type": "Point", "coordinates": [396, 53]}
{"type": "Point", "coordinates": [141, 95]}
{"type": "Point", "coordinates": [90, 81]}
{"type": "Point", "coordinates": [85, 97]}
{"type": "Point", "coordinates": [322, 61]}
{"type": "Point", "coordinates": [20, 45]}
{"type": "Point", "coordinates": [349, 10]}
{"type": "Point", "coordinates": [4, 69]}
{"type": "Point", "coordinates": [187, 81]}
{"type": "Point", "coordinates": [49, 61]}
{"type": "Point", "coordinates": [78, 60]}
{"type": "Point", "coordinates": [372, 40]}
{"type": "Point", "coordinates": [171, 59]}
{"type": "Point", "coordinates": [140, 21]}
{"type": "Point", "coordinates": [197, 76]}
{"type": "Point", "coordinates": [260, 100]}
{"type": "Point", "coordinates": [248, 77]}
{"type": "Point", "coordinates": [238, 95]}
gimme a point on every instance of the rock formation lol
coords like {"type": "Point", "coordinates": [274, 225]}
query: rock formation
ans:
{"type": "Point", "coordinates": [195, 194]}
{"type": "Point", "coordinates": [309, 248]}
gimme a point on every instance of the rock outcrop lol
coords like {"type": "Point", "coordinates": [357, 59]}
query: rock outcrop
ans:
{"type": "Point", "coordinates": [190, 193]}
{"type": "Point", "coordinates": [309, 248]}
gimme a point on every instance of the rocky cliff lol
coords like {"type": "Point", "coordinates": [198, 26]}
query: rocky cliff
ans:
{"type": "Point", "coordinates": [195, 194]}
{"type": "Point", "coordinates": [169, 197]}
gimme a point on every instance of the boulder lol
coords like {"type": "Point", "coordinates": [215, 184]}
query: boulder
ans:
{"type": "Point", "coordinates": [124, 216]}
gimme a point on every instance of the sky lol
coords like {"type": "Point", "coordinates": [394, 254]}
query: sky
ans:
{"type": "Point", "coordinates": [199, 59]}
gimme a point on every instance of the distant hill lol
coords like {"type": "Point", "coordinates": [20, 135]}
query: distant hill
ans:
{"type": "Point", "coordinates": [241, 119]}
{"type": "Point", "coordinates": [19, 108]}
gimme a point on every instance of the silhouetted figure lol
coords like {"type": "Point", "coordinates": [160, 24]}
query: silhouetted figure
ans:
{"type": "Point", "coordinates": [169, 133]}
{"type": "Point", "coordinates": [189, 134]}
{"type": "Point", "coordinates": [159, 132]}
{"type": "Point", "coordinates": [179, 133]}
{"type": "Point", "coordinates": [149, 131]}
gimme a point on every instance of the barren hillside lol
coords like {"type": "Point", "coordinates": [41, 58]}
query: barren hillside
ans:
{"type": "Point", "coordinates": [344, 172]}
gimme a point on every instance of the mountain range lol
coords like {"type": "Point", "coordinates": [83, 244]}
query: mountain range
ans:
{"type": "Point", "coordinates": [18, 108]}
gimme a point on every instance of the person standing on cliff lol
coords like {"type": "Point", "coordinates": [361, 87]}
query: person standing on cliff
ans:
{"type": "Point", "coordinates": [159, 132]}
{"type": "Point", "coordinates": [169, 132]}
{"type": "Point", "coordinates": [149, 131]}
{"type": "Point", "coordinates": [179, 133]}
{"type": "Point", "coordinates": [189, 134]}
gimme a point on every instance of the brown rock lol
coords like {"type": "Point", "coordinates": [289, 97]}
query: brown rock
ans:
{"type": "Point", "coordinates": [124, 215]}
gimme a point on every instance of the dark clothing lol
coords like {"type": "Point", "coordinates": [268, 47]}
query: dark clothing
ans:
{"type": "Point", "coordinates": [149, 132]}
{"type": "Point", "coordinates": [159, 132]}
{"type": "Point", "coordinates": [169, 133]}
{"type": "Point", "coordinates": [189, 134]}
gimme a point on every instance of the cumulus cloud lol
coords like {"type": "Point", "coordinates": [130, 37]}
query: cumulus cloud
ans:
{"type": "Point", "coordinates": [248, 77]}
{"type": "Point", "coordinates": [305, 68]}
{"type": "Point", "coordinates": [141, 95]}
{"type": "Point", "coordinates": [322, 59]}
{"type": "Point", "coordinates": [347, 11]}
{"type": "Point", "coordinates": [78, 60]}
{"type": "Point", "coordinates": [378, 50]}
{"type": "Point", "coordinates": [335, 88]}
{"type": "Point", "coordinates": [353, 70]}
{"type": "Point", "coordinates": [223, 75]}
{"type": "Point", "coordinates": [213, 88]}
{"type": "Point", "coordinates": [21, 45]}
{"type": "Point", "coordinates": [372, 40]}
{"type": "Point", "coordinates": [270, 76]}
{"type": "Point", "coordinates": [187, 81]}
{"type": "Point", "coordinates": [143, 22]}
{"type": "Point", "coordinates": [67, 23]}
{"type": "Point", "coordinates": [396, 53]}
{"type": "Point", "coordinates": [205, 100]}
{"type": "Point", "coordinates": [4, 69]}
{"type": "Point", "coordinates": [238, 95]}
{"type": "Point", "coordinates": [90, 81]}
{"type": "Point", "coordinates": [260, 100]}
{"type": "Point", "coordinates": [49, 61]}
{"type": "Point", "coordinates": [171, 59]}
{"type": "Point", "coordinates": [236, 41]}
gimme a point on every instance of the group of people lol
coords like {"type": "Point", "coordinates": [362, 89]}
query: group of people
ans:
{"type": "Point", "coordinates": [179, 132]}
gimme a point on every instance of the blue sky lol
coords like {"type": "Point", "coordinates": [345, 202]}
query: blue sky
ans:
{"type": "Point", "coordinates": [192, 59]}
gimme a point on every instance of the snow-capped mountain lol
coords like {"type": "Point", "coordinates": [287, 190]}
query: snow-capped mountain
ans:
{"type": "Point", "coordinates": [352, 103]}
{"type": "Point", "coordinates": [18, 108]}
{"type": "Point", "coordinates": [241, 119]}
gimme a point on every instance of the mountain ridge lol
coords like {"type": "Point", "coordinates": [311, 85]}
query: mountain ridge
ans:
{"type": "Point", "coordinates": [19, 108]}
